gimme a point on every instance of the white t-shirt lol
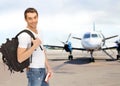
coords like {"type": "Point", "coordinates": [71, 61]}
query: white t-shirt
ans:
{"type": "Point", "coordinates": [38, 56]}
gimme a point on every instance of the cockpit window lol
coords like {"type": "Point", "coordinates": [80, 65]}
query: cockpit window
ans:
{"type": "Point", "coordinates": [87, 35]}
{"type": "Point", "coordinates": [94, 35]}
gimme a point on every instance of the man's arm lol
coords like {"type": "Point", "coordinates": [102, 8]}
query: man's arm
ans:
{"type": "Point", "coordinates": [47, 64]}
{"type": "Point", "coordinates": [23, 53]}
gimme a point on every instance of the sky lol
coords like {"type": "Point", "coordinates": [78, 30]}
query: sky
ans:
{"type": "Point", "coordinates": [59, 18]}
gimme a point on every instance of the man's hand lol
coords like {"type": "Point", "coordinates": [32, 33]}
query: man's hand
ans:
{"type": "Point", "coordinates": [36, 42]}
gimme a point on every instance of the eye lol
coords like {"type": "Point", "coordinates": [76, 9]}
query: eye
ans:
{"type": "Point", "coordinates": [30, 18]}
{"type": "Point", "coordinates": [35, 17]}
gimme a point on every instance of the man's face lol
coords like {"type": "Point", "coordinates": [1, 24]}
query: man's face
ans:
{"type": "Point", "coordinates": [32, 20]}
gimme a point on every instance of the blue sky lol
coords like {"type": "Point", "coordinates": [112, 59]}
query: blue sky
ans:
{"type": "Point", "coordinates": [58, 18]}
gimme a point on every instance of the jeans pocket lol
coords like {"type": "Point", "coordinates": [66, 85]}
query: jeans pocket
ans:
{"type": "Point", "coordinates": [36, 77]}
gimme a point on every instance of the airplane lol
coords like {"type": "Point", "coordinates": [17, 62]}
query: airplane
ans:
{"type": "Point", "coordinates": [91, 42]}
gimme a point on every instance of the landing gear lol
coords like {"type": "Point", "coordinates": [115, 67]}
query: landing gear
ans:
{"type": "Point", "coordinates": [92, 58]}
{"type": "Point", "coordinates": [118, 50]}
{"type": "Point", "coordinates": [70, 57]}
{"type": "Point", "coordinates": [118, 56]}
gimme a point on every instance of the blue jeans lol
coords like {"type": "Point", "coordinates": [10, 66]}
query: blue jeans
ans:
{"type": "Point", "coordinates": [36, 77]}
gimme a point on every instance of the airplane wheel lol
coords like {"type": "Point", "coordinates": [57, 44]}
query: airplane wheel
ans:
{"type": "Point", "coordinates": [70, 57]}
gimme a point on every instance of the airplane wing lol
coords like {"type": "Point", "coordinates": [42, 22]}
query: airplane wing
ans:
{"type": "Point", "coordinates": [79, 49]}
{"type": "Point", "coordinates": [77, 38]}
{"type": "Point", "coordinates": [109, 37]}
{"type": "Point", "coordinates": [105, 48]}
{"type": "Point", "coordinates": [62, 47]}
{"type": "Point", "coordinates": [102, 40]}
{"type": "Point", "coordinates": [53, 46]}
{"type": "Point", "coordinates": [114, 47]}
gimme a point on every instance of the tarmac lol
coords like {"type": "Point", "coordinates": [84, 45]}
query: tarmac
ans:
{"type": "Point", "coordinates": [105, 71]}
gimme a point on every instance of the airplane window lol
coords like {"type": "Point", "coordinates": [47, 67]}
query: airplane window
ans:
{"type": "Point", "coordinates": [94, 35]}
{"type": "Point", "coordinates": [87, 36]}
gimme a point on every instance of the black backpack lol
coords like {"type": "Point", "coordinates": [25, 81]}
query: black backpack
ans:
{"type": "Point", "coordinates": [9, 54]}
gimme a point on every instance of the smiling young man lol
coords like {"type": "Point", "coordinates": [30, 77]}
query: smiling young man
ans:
{"type": "Point", "coordinates": [36, 71]}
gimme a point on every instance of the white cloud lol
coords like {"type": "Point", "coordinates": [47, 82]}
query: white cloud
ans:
{"type": "Point", "coordinates": [62, 15]}
{"type": "Point", "coordinates": [70, 22]}
{"type": "Point", "coordinates": [12, 19]}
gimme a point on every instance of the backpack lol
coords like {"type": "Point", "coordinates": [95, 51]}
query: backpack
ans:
{"type": "Point", "coordinates": [9, 54]}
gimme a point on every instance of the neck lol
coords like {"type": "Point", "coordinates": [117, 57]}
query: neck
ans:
{"type": "Point", "coordinates": [33, 29]}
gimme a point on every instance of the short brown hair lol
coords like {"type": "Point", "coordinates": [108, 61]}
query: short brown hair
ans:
{"type": "Point", "coordinates": [30, 10]}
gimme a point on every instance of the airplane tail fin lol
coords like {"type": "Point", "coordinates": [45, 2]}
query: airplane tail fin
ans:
{"type": "Point", "coordinates": [93, 26]}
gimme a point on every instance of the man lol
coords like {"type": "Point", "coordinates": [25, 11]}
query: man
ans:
{"type": "Point", "coordinates": [36, 70]}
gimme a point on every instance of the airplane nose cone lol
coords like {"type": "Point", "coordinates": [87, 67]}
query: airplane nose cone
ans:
{"type": "Point", "coordinates": [92, 44]}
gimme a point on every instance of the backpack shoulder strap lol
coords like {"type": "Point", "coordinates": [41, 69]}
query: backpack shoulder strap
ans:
{"type": "Point", "coordinates": [28, 32]}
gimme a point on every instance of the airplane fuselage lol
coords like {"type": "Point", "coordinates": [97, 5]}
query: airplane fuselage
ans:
{"type": "Point", "coordinates": [92, 41]}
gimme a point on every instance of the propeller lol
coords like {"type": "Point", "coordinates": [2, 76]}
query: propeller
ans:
{"type": "Point", "coordinates": [67, 44]}
{"type": "Point", "coordinates": [68, 37]}
{"type": "Point", "coordinates": [66, 40]}
{"type": "Point", "coordinates": [62, 42]}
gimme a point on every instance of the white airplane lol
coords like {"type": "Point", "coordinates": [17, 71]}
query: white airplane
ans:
{"type": "Point", "coordinates": [91, 42]}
